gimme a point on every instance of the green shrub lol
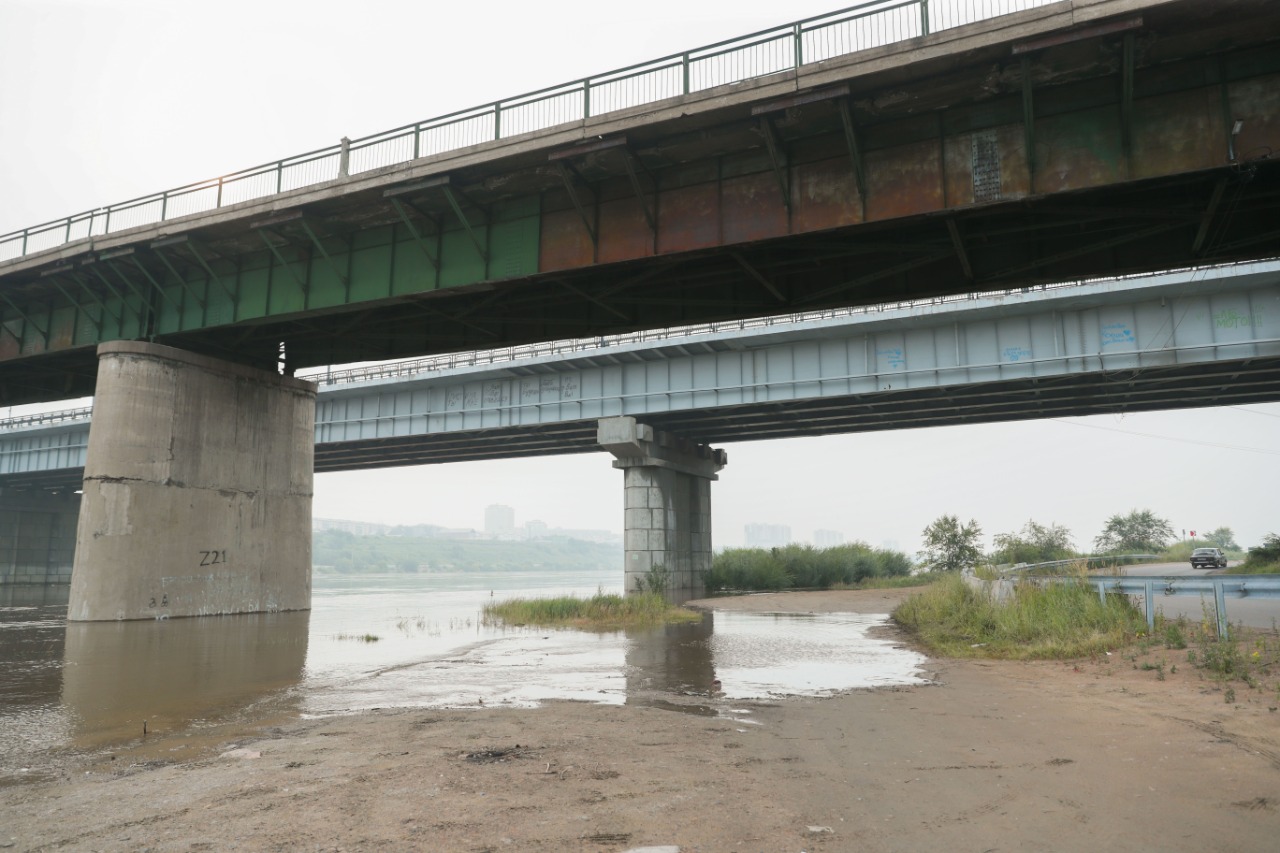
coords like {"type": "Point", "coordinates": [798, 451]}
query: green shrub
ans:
{"type": "Point", "coordinates": [1059, 620]}
{"type": "Point", "coordinates": [804, 567]}
{"type": "Point", "coordinates": [1263, 559]}
{"type": "Point", "coordinates": [599, 611]}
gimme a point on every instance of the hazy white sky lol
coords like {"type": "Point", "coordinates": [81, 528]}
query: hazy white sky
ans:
{"type": "Point", "coordinates": [105, 100]}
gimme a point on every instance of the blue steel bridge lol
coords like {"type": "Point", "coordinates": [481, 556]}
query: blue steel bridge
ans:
{"type": "Point", "coordinates": [1172, 340]}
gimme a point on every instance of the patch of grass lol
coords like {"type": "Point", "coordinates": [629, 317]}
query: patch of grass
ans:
{"type": "Point", "coordinates": [1255, 569]}
{"type": "Point", "coordinates": [1050, 622]}
{"type": "Point", "coordinates": [655, 580]}
{"type": "Point", "coordinates": [601, 611]}
{"type": "Point", "coordinates": [922, 579]}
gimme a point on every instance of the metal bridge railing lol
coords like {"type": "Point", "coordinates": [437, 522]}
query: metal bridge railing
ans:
{"type": "Point", "coordinates": [867, 25]}
{"type": "Point", "coordinates": [46, 418]}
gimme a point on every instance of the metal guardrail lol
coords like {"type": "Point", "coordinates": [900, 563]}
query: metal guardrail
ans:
{"type": "Point", "coordinates": [866, 25]}
{"type": "Point", "coordinates": [1089, 560]}
{"type": "Point", "coordinates": [1222, 587]}
{"type": "Point", "coordinates": [46, 418]}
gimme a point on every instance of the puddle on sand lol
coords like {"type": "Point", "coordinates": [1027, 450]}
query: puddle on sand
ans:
{"type": "Point", "coordinates": [690, 667]}
{"type": "Point", "coordinates": [87, 688]}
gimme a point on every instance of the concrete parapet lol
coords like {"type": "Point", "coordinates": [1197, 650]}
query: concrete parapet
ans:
{"type": "Point", "coordinates": [197, 489]}
{"type": "Point", "coordinates": [667, 507]}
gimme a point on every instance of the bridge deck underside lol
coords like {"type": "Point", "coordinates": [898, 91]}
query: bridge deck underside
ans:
{"type": "Point", "coordinates": [977, 169]}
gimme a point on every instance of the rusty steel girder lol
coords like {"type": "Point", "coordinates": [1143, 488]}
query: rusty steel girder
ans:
{"type": "Point", "coordinates": [1129, 144]}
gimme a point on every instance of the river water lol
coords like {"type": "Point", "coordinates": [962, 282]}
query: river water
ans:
{"type": "Point", "coordinates": [394, 641]}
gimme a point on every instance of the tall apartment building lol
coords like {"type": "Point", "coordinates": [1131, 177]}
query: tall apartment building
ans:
{"type": "Point", "coordinates": [499, 521]}
{"type": "Point", "coordinates": [827, 538]}
{"type": "Point", "coordinates": [767, 535]}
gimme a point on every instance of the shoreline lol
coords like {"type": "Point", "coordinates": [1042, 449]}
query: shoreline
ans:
{"type": "Point", "coordinates": [991, 755]}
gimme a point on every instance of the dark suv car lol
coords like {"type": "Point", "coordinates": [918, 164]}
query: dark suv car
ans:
{"type": "Point", "coordinates": [1208, 558]}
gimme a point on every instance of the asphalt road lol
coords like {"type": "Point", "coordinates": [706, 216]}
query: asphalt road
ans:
{"type": "Point", "coordinates": [1255, 613]}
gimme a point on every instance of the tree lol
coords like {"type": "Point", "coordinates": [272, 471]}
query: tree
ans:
{"type": "Point", "coordinates": [1224, 538]}
{"type": "Point", "coordinates": [950, 546]}
{"type": "Point", "coordinates": [1139, 531]}
{"type": "Point", "coordinates": [1035, 543]}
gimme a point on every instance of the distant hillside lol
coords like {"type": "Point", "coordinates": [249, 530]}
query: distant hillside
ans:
{"type": "Point", "coordinates": [339, 552]}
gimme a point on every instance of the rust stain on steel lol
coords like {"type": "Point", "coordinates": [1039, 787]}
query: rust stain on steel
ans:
{"type": "Point", "coordinates": [1180, 132]}
{"type": "Point", "coordinates": [824, 195]}
{"type": "Point", "coordinates": [1079, 150]}
{"type": "Point", "coordinates": [62, 330]}
{"type": "Point", "coordinates": [957, 153]}
{"type": "Point", "coordinates": [564, 241]}
{"type": "Point", "coordinates": [624, 231]}
{"type": "Point", "coordinates": [10, 347]}
{"type": "Point", "coordinates": [1256, 103]}
{"type": "Point", "coordinates": [689, 218]}
{"type": "Point", "coordinates": [904, 181]}
{"type": "Point", "coordinates": [1015, 178]}
{"type": "Point", "coordinates": [752, 207]}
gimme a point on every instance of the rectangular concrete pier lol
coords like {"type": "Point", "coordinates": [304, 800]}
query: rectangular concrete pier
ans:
{"type": "Point", "coordinates": [197, 489]}
{"type": "Point", "coordinates": [668, 504]}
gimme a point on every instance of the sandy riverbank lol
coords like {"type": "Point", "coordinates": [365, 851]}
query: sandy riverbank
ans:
{"type": "Point", "coordinates": [993, 756]}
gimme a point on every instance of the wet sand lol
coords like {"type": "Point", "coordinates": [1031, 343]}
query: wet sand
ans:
{"type": "Point", "coordinates": [992, 756]}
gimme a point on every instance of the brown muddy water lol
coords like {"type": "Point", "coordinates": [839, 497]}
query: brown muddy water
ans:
{"type": "Point", "coordinates": [90, 688]}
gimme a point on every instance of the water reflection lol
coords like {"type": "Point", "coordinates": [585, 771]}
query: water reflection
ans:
{"type": "Point", "coordinates": [34, 594]}
{"type": "Point", "coordinates": [175, 673]}
{"type": "Point", "coordinates": [87, 686]}
{"type": "Point", "coordinates": [670, 659]}
{"type": "Point", "coordinates": [31, 717]}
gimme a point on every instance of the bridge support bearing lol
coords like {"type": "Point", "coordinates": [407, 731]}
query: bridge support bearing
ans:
{"type": "Point", "coordinates": [667, 481]}
{"type": "Point", "coordinates": [197, 489]}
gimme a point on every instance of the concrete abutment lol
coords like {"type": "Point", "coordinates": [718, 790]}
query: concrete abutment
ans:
{"type": "Point", "coordinates": [667, 483]}
{"type": "Point", "coordinates": [197, 489]}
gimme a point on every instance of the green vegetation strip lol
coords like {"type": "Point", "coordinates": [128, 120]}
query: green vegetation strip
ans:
{"type": "Point", "coordinates": [1262, 560]}
{"type": "Point", "coordinates": [1051, 622]}
{"type": "Point", "coordinates": [804, 567]}
{"type": "Point", "coordinates": [599, 611]}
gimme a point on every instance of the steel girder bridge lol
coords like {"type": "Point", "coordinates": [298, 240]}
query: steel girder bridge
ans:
{"type": "Point", "coordinates": [880, 153]}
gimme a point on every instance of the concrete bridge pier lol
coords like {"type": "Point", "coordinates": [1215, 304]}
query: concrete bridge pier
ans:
{"type": "Point", "coordinates": [197, 489]}
{"type": "Point", "coordinates": [667, 481]}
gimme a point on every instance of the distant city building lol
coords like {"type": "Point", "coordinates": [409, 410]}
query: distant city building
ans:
{"type": "Point", "coordinates": [827, 538]}
{"type": "Point", "coordinates": [606, 537]}
{"type": "Point", "coordinates": [499, 521]}
{"type": "Point", "coordinates": [767, 535]}
{"type": "Point", "coordinates": [535, 529]}
{"type": "Point", "coordinates": [356, 528]}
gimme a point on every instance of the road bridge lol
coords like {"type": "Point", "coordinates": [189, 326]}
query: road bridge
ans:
{"type": "Point", "coordinates": [1173, 340]}
{"type": "Point", "coordinates": [892, 150]}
